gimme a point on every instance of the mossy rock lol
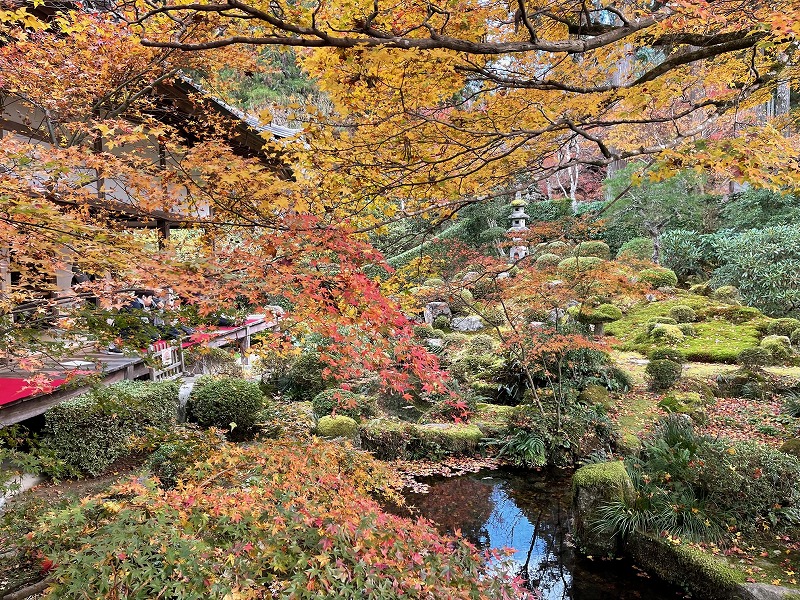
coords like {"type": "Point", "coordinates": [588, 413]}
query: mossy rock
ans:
{"type": "Point", "coordinates": [437, 439]}
{"type": "Point", "coordinates": [779, 347]}
{"type": "Point", "coordinates": [792, 447]}
{"type": "Point", "coordinates": [628, 444]}
{"type": "Point", "coordinates": [337, 426]}
{"type": "Point", "coordinates": [701, 573]}
{"type": "Point", "coordinates": [386, 439]}
{"type": "Point", "coordinates": [492, 419]}
{"type": "Point", "coordinates": [594, 486]}
{"type": "Point", "coordinates": [595, 395]}
{"type": "Point", "coordinates": [594, 248]}
{"type": "Point", "coordinates": [726, 293]}
{"type": "Point", "coordinates": [433, 282]}
{"type": "Point", "coordinates": [700, 289]}
{"type": "Point", "coordinates": [686, 403]}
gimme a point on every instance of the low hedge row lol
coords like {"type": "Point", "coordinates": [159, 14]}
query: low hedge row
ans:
{"type": "Point", "coordinates": [93, 430]}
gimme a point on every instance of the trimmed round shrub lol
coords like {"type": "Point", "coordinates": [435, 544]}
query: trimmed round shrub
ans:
{"type": "Point", "coordinates": [455, 339]}
{"type": "Point", "coordinates": [748, 481]}
{"type": "Point", "coordinates": [558, 247]}
{"type": "Point", "coordinates": [493, 315]}
{"type": "Point", "coordinates": [667, 354]}
{"type": "Point", "coordinates": [481, 344]}
{"type": "Point", "coordinates": [670, 334]}
{"type": "Point", "coordinates": [225, 401]}
{"type": "Point", "coordinates": [423, 331]}
{"type": "Point", "coordinates": [594, 248]}
{"type": "Point", "coordinates": [778, 346]}
{"type": "Point", "coordinates": [461, 303]}
{"type": "Point", "coordinates": [663, 374]}
{"type": "Point", "coordinates": [570, 267]}
{"type": "Point", "coordinates": [656, 320]}
{"type": "Point", "coordinates": [754, 357]}
{"type": "Point", "coordinates": [441, 322]}
{"type": "Point", "coordinates": [687, 329]}
{"type": "Point", "coordinates": [639, 248]}
{"type": "Point", "coordinates": [794, 338]}
{"type": "Point", "coordinates": [343, 402]}
{"type": "Point", "coordinates": [547, 261]}
{"type": "Point", "coordinates": [337, 426]}
{"type": "Point", "coordinates": [782, 327]}
{"type": "Point", "coordinates": [726, 293]}
{"type": "Point", "coordinates": [658, 277]}
{"type": "Point", "coordinates": [683, 314]}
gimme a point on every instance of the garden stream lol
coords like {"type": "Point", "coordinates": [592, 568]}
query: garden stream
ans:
{"type": "Point", "coordinates": [530, 512]}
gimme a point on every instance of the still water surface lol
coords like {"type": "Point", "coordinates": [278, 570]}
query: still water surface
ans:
{"type": "Point", "coordinates": [530, 513]}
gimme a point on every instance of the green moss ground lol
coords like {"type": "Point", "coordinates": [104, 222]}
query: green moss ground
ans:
{"type": "Point", "coordinates": [717, 340]}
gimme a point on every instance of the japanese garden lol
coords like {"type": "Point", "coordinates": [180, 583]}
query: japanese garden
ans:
{"type": "Point", "coordinates": [369, 300]}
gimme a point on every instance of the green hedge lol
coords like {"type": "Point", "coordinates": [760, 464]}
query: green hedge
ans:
{"type": "Point", "coordinates": [92, 431]}
{"type": "Point", "coordinates": [222, 401]}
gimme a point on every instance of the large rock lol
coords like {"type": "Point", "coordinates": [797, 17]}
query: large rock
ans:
{"type": "Point", "coordinates": [434, 309]}
{"type": "Point", "coordinates": [593, 486]}
{"type": "Point", "coordinates": [470, 323]}
{"type": "Point", "coordinates": [763, 591]}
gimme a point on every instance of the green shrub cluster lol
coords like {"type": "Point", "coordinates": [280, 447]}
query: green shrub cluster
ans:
{"type": "Point", "coordinates": [571, 267]}
{"type": "Point", "coordinates": [594, 248]}
{"type": "Point", "coordinates": [667, 354]}
{"type": "Point", "coordinates": [667, 334]}
{"type": "Point", "coordinates": [697, 486]}
{"type": "Point", "coordinates": [343, 402]}
{"type": "Point", "coordinates": [176, 451]}
{"type": "Point", "coordinates": [658, 277]}
{"type": "Point", "coordinates": [337, 426]}
{"type": "Point", "coordinates": [636, 249]}
{"type": "Point", "coordinates": [547, 261]}
{"type": "Point", "coordinates": [663, 373]}
{"type": "Point", "coordinates": [92, 431]}
{"type": "Point", "coordinates": [441, 322]}
{"type": "Point", "coordinates": [726, 293]}
{"type": "Point", "coordinates": [424, 331]}
{"type": "Point", "coordinates": [225, 402]}
{"type": "Point", "coordinates": [784, 326]}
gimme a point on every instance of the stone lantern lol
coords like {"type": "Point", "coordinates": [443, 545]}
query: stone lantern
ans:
{"type": "Point", "coordinates": [518, 220]}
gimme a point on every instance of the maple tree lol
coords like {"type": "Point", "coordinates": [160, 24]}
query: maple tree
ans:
{"type": "Point", "coordinates": [113, 147]}
{"type": "Point", "coordinates": [441, 102]}
{"type": "Point", "coordinates": [294, 519]}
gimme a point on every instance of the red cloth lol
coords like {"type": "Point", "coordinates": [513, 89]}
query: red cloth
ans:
{"type": "Point", "coordinates": [12, 388]}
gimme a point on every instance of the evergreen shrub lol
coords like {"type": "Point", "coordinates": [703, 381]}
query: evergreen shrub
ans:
{"type": "Point", "coordinates": [221, 402]}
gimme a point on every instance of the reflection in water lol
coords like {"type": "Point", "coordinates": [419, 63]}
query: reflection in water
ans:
{"type": "Point", "coordinates": [531, 514]}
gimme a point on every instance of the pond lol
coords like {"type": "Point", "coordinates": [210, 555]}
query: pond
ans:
{"type": "Point", "coordinates": [531, 513]}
